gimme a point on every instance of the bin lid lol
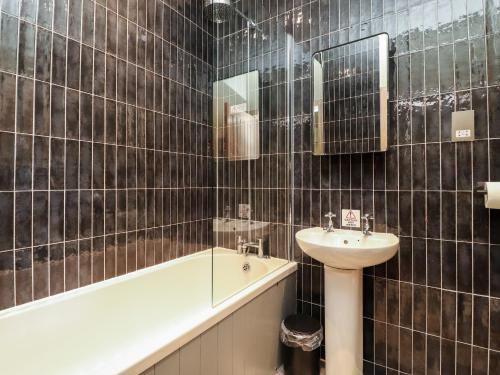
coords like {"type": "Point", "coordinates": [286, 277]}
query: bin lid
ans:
{"type": "Point", "coordinates": [302, 323]}
{"type": "Point", "coordinates": [301, 331]}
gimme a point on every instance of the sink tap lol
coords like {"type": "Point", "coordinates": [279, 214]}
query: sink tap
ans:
{"type": "Point", "coordinates": [366, 224]}
{"type": "Point", "coordinates": [329, 228]}
{"type": "Point", "coordinates": [227, 213]}
{"type": "Point", "coordinates": [244, 247]}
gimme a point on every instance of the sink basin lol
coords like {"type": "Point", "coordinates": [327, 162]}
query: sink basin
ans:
{"type": "Point", "coordinates": [238, 227]}
{"type": "Point", "coordinates": [347, 249]}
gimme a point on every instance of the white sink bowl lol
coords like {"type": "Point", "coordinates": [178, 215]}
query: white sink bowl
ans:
{"type": "Point", "coordinates": [347, 249]}
{"type": "Point", "coordinates": [239, 227]}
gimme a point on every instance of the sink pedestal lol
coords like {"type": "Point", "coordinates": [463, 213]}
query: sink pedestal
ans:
{"type": "Point", "coordinates": [343, 321]}
{"type": "Point", "coordinates": [344, 254]}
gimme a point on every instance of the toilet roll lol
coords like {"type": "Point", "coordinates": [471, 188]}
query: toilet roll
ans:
{"type": "Point", "coordinates": [492, 195]}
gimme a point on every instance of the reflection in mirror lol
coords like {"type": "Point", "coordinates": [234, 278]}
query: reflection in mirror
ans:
{"type": "Point", "coordinates": [350, 97]}
{"type": "Point", "coordinates": [236, 117]}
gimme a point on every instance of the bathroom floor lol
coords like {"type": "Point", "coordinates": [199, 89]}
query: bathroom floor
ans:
{"type": "Point", "coordinates": [281, 371]}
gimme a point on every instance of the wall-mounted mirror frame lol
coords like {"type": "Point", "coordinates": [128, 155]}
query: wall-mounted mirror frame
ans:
{"type": "Point", "coordinates": [350, 97]}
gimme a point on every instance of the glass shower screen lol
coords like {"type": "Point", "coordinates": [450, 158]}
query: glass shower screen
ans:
{"type": "Point", "coordinates": [251, 232]}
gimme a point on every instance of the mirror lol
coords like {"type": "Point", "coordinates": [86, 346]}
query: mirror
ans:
{"type": "Point", "coordinates": [236, 117]}
{"type": "Point", "coordinates": [350, 97]}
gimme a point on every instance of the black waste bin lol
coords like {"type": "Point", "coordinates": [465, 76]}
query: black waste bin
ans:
{"type": "Point", "coordinates": [301, 336]}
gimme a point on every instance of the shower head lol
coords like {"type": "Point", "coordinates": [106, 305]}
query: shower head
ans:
{"type": "Point", "coordinates": [218, 11]}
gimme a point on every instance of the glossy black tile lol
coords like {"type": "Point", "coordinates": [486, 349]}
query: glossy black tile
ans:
{"type": "Point", "coordinates": [8, 43]}
{"type": "Point", "coordinates": [463, 358]}
{"type": "Point", "coordinates": [28, 9]}
{"type": "Point", "coordinates": [23, 219]}
{"type": "Point", "coordinates": [480, 321]}
{"type": "Point", "coordinates": [40, 218]}
{"type": "Point", "coordinates": [58, 60]}
{"type": "Point", "coordinates": [7, 297]}
{"type": "Point", "coordinates": [56, 216]}
{"type": "Point", "coordinates": [43, 54]}
{"type": "Point", "coordinates": [24, 116]}
{"type": "Point", "coordinates": [7, 162]}
{"type": "Point", "coordinates": [57, 152]}
{"type": "Point", "coordinates": [480, 261]}
{"type": "Point", "coordinates": [7, 234]}
{"type": "Point", "coordinates": [23, 165]}
{"type": "Point", "coordinates": [434, 308]}
{"type": "Point", "coordinates": [434, 263]}
{"type": "Point", "coordinates": [26, 54]}
{"type": "Point", "coordinates": [23, 274]}
{"type": "Point", "coordinates": [86, 69]}
{"type": "Point", "coordinates": [449, 306]}
{"type": "Point", "coordinates": [464, 265]}
{"type": "Point", "coordinates": [57, 110]}
{"type": "Point", "coordinates": [479, 360]}
{"type": "Point", "coordinates": [7, 101]}
{"type": "Point", "coordinates": [56, 268]}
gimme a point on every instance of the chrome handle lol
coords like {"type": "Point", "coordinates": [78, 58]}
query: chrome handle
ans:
{"type": "Point", "coordinates": [330, 215]}
{"type": "Point", "coordinates": [260, 251]}
{"type": "Point", "coordinates": [366, 223]}
{"type": "Point", "coordinates": [240, 245]}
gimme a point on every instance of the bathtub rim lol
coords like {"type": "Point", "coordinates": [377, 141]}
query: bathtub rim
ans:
{"type": "Point", "coordinates": [166, 345]}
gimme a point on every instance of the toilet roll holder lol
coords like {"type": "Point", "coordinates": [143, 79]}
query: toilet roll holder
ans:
{"type": "Point", "coordinates": [481, 188]}
{"type": "Point", "coordinates": [491, 200]}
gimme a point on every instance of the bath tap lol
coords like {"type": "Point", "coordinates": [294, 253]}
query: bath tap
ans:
{"type": "Point", "coordinates": [227, 214]}
{"type": "Point", "coordinates": [243, 247]}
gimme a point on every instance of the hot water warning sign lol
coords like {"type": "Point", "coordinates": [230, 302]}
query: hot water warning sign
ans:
{"type": "Point", "coordinates": [351, 218]}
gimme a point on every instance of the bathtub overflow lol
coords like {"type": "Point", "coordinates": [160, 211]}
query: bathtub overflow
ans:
{"type": "Point", "coordinates": [246, 267]}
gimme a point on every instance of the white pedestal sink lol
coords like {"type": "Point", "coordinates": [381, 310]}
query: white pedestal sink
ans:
{"type": "Point", "coordinates": [344, 254]}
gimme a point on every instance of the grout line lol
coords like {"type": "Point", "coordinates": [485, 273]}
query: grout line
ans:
{"type": "Point", "coordinates": [33, 113]}
{"type": "Point", "coordinates": [14, 195]}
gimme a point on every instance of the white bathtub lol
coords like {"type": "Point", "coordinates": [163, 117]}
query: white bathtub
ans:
{"type": "Point", "coordinates": [129, 323]}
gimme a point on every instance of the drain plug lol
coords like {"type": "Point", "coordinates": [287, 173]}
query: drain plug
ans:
{"type": "Point", "coordinates": [246, 267]}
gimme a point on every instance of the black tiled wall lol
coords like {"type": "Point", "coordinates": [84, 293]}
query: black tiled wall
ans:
{"type": "Point", "coordinates": [104, 140]}
{"type": "Point", "coordinates": [434, 308]}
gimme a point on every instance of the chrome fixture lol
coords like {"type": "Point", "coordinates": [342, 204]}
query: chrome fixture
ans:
{"type": "Point", "coordinates": [329, 228]}
{"type": "Point", "coordinates": [366, 224]}
{"type": "Point", "coordinates": [220, 11]}
{"type": "Point", "coordinates": [244, 247]}
{"type": "Point", "coordinates": [481, 188]}
{"type": "Point", "coordinates": [227, 213]}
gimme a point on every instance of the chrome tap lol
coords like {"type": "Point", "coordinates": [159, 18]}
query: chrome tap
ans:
{"type": "Point", "coordinates": [329, 228]}
{"type": "Point", "coordinates": [366, 224]}
{"type": "Point", "coordinates": [227, 213]}
{"type": "Point", "coordinates": [243, 247]}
